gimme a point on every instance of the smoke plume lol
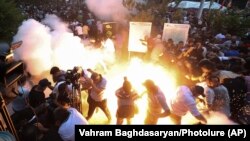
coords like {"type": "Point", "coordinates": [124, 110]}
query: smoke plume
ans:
{"type": "Point", "coordinates": [36, 48]}
{"type": "Point", "coordinates": [48, 44]}
{"type": "Point", "coordinates": [109, 10]}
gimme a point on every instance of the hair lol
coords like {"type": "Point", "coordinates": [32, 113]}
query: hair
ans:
{"type": "Point", "coordinates": [150, 85]}
{"type": "Point", "coordinates": [54, 70]}
{"type": "Point", "coordinates": [126, 85]}
{"type": "Point", "coordinates": [211, 77]}
{"type": "Point", "coordinates": [197, 90]}
{"type": "Point", "coordinates": [207, 64]}
{"type": "Point", "coordinates": [95, 75]}
{"type": "Point", "coordinates": [61, 114]}
{"type": "Point", "coordinates": [63, 99]}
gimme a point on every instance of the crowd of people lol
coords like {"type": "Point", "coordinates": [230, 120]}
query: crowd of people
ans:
{"type": "Point", "coordinates": [213, 68]}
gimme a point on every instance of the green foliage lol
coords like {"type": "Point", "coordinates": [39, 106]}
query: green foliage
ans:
{"type": "Point", "coordinates": [233, 22]}
{"type": "Point", "coordinates": [10, 19]}
{"type": "Point", "coordinates": [153, 10]}
{"type": "Point", "coordinates": [177, 15]}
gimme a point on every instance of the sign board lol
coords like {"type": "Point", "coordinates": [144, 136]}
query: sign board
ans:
{"type": "Point", "coordinates": [138, 32]}
{"type": "Point", "coordinates": [177, 32]}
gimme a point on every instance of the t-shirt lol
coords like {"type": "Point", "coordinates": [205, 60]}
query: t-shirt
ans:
{"type": "Point", "coordinates": [67, 129]}
{"type": "Point", "coordinates": [221, 100]}
{"type": "Point", "coordinates": [99, 96]}
{"type": "Point", "coordinates": [183, 102]}
{"type": "Point", "coordinates": [36, 98]}
{"type": "Point", "coordinates": [209, 93]}
{"type": "Point", "coordinates": [157, 102]}
{"type": "Point", "coordinates": [20, 102]}
{"type": "Point", "coordinates": [124, 98]}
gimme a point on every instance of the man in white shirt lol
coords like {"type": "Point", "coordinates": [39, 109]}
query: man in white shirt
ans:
{"type": "Point", "coordinates": [221, 102]}
{"type": "Point", "coordinates": [96, 95]}
{"type": "Point", "coordinates": [184, 101]}
{"type": "Point", "coordinates": [209, 95]}
{"type": "Point", "coordinates": [66, 118]}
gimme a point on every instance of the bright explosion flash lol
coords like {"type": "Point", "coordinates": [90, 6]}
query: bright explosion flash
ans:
{"type": "Point", "coordinates": [137, 72]}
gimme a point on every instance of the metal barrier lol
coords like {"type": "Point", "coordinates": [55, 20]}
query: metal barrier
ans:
{"type": "Point", "coordinates": [7, 123]}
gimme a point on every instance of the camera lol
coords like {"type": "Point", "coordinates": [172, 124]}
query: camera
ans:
{"type": "Point", "coordinates": [72, 77]}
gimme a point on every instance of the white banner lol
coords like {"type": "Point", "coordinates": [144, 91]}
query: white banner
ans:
{"type": "Point", "coordinates": [137, 34]}
{"type": "Point", "coordinates": [177, 32]}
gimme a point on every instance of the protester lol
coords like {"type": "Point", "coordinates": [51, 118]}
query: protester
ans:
{"type": "Point", "coordinates": [126, 97]}
{"type": "Point", "coordinates": [184, 101]}
{"type": "Point", "coordinates": [156, 103]}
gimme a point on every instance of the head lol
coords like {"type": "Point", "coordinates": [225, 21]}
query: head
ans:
{"type": "Point", "coordinates": [212, 81]}
{"type": "Point", "coordinates": [55, 72]}
{"type": "Point", "coordinates": [150, 86]}
{"type": "Point", "coordinates": [60, 115]}
{"type": "Point", "coordinates": [180, 44]}
{"type": "Point", "coordinates": [197, 91]}
{"type": "Point", "coordinates": [96, 77]}
{"type": "Point", "coordinates": [44, 83]}
{"type": "Point", "coordinates": [63, 100]}
{"type": "Point", "coordinates": [190, 42]}
{"type": "Point", "coordinates": [126, 85]}
{"type": "Point", "coordinates": [207, 66]}
{"type": "Point", "coordinates": [234, 38]}
{"type": "Point", "coordinates": [198, 44]}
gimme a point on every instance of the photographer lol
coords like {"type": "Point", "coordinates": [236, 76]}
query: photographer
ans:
{"type": "Point", "coordinates": [96, 95]}
{"type": "Point", "coordinates": [58, 77]}
{"type": "Point", "coordinates": [36, 95]}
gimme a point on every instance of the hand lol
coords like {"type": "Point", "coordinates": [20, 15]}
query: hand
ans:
{"type": "Point", "coordinates": [90, 70]}
{"type": "Point", "coordinates": [204, 121]}
{"type": "Point", "coordinates": [202, 101]}
{"type": "Point", "coordinates": [41, 127]}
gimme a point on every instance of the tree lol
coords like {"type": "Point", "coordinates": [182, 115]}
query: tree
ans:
{"type": "Point", "coordinates": [148, 12]}
{"type": "Point", "coordinates": [233, 22]}
{"type": "Point", "coordinates": [10, 19]}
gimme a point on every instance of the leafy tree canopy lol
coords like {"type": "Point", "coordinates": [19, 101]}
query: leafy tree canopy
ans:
{"type": "Point", "coordinates": [10, 19]}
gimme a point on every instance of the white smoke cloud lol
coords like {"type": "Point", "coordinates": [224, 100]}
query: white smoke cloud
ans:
{"type": "Point", "coordinates": [51, 43]}
{"type": "Point", "coordinates": [109, 10]}
{"type": "Point", "coordinates": [35, 50]}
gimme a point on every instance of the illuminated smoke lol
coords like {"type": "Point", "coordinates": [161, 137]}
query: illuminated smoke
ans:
{"type": "Point", "coordinates": [36, 48]}
{"type": "Point", "coordinates": [108, 10]}
{"type": "Point", "coordinates": [51, 43]}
